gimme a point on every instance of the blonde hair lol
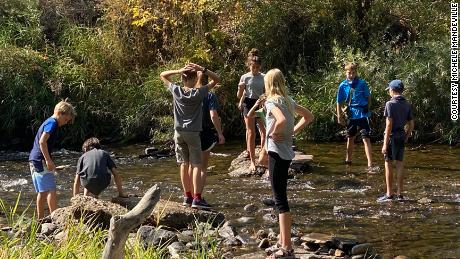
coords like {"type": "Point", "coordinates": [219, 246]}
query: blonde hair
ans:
{"type": "Point", "coordinates": [64, 107]}
{"type": "Point", "coordinates": [351, 66]}
{"type": "Point", "coordinates": [275, 88]}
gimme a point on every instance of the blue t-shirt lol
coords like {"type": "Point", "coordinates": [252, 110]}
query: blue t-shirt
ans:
{"type": "Point", "coordinates": [359, 97]}
{"type": "Point", "coordinates": [50, 126]}
{"type": "Point", "coordinates": [209, 103]}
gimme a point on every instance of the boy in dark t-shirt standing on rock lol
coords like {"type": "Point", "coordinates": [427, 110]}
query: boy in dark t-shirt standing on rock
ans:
{"type": "Point", "coordinates": [398, 113]}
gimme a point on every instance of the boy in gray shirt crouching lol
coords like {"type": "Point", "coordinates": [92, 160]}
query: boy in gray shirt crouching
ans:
{"type": "Point", "coordinates": [93, 170]}
{"type": "Point", "coordinates": [188, 116]}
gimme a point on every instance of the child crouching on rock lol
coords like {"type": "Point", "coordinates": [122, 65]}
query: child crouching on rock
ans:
{"type": "Point", "coordinates": [93, 170]}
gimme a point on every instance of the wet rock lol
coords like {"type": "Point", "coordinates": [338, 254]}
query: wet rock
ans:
{"type": "Point", "coordinates": [317, 238]}
{"type": "Point", "coordinates": [401, 257]}
{"type": "Point", "coordinates": [227, 231]}
{"type": "Point", "coordinates": [296, 241]}
{"type": "Point", "coordinates": [176, 248]}
{"type": "Point", "coordinates": [264, 243]}
{"type": "Point", "coordinates": [322, 251]}
{"type": "Point", "coordinates": [365, 248]}
{"type": "Point", "coordinates": [251, 208]}
{"type": "Point", "coordinates": [232, 241]}
{"type": "Point", "coordinates": [246, 239]}
{"type": "Point", "coordinates": [310, 246]}
{"type": "Point", "coordinates": [228, 255]}
{"type": "Point", "coordinates": [344, 244]}
{"type": "Point", "coordinates": [272, 235]}
{"type": "Point", "coordinates": [424, 201]}
{"type": "Point", "coordinates": [245, 220]}
{"type": "Point", "coordinates": [339, 252]}
{"type": "Point", "coordinates": [151, 236]}
{"type": "Point", "coordinates": [268, 202]}
{"type": "Point", "coordinates": [239, 167]}
{"type": "Point", "coordinates": [358, 257]}
{"type": "Point", "coordinates": [48, 228]}
{"type": "Point", "coordinates": [271, 218]}
{"type": "Point", "coordinates": [261, 234]}
{"type": "Point", "coordinates": [174, 215]}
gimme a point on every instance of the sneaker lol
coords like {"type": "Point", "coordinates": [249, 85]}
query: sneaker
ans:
{"type": "Point", "coordinates": [200, 204]}
{"type": "Point", "coordinates": [373, 169]}
{"type": "Point", "coordinates": [187, 201]}
{"type": "Point", "coordinates": [385, 198]}
{"type": "Point", "coordinates": [400, 198]}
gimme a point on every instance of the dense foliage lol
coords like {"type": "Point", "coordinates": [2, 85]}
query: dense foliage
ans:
{"type": "Point", "coordinates": [105, 56]}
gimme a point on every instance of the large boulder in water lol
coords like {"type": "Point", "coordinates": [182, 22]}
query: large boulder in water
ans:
{"type": "Point", "coordinates": [239, 167]}
{"type": "Point", "coordinates": [173, 215]}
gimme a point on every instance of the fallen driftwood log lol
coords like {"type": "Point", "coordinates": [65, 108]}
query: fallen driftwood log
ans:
{"type": "Point", "coordinates": [121, 226]}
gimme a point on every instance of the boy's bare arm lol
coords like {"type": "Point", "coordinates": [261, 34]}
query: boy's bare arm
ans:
{"type": "Point", "coordinates": [241, 87]}
{"type": "Point", "coordinates": [339, 114]}
{"type": "Point", "coordinates": [44, 148]}
{"type": "Point", "coordinates": [386, 137]}
{"type": "Point", "coordinates": [117, 180]}
{"type": "Point", "coordinates": [76, 185]}
{"type": "Point", "coordinates": [166, 76]}
{"type": "Point", "coordinates": [217, 125]}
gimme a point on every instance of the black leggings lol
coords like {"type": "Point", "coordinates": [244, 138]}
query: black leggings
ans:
{"type": "Point", "coordinates": [278, 169]}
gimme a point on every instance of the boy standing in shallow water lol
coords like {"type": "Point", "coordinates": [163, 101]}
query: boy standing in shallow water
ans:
{"type": "Point", "coordinates": [354, 95]}
{"type": "Point", "coordinates": [92, 170]}
{"type": "Point", "coordinates": [398, 113]}
{"type": "Point", "coordinates": [188, 116]}
{"type": "Point", "coordinates": [41, 163]}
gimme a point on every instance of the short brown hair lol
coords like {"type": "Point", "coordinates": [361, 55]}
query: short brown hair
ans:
{"type": "Point", "coordinates": [351, 66]}
{"type": "Point", "coordinates": [91, 143]}
{"type": "Point", "coordinates": [64, 107]}
{"type": "Point", "coordinates": [253, 56]}
{"type": "Point", "coordinates": [189, 74]}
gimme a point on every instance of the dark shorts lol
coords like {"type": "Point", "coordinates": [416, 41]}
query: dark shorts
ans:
{"type": "Point", "coordinates": [96, 185]}
{"type": "Point", "coordinates": [361, 125]}
{"type": "Point", "coordinates": [395, 150]}
{"type": "Point", "coordinates": [208, 139]}
{"type": "Point", "coordinates": [248, 103]}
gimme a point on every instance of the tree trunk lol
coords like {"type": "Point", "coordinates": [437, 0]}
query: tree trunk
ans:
{"type": "Point", "coordinates": [121, 226]}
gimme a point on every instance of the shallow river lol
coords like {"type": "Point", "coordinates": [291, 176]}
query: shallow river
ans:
{"type": "Point", "coordinates": [331, 198]}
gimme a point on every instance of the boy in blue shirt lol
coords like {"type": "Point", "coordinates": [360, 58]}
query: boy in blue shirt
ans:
{"type": "Point", "coordinates": [41, 163]}
{"type": "Point", "coordinates": [354, 95]}
{"type": "Point", "coordinates": [398, 113]}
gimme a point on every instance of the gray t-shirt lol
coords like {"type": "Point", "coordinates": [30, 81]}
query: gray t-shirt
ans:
{"type": "Point", "coordinates": [400, 110]}
{"type": "Point", "coordinates": [93, 165]}
{"type": "Point", "coordinates": [283, 148]}
{"type": "Point", "coordinates": [188, 111]}
{"type": "Point", "coordinates": [255, 86]}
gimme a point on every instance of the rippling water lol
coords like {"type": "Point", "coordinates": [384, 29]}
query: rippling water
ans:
{"type": "Point", "coordinates": [331, 198]}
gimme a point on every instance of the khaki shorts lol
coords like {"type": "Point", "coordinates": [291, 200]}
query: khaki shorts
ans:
{"type": "Point", "coordinates": [188, 146]}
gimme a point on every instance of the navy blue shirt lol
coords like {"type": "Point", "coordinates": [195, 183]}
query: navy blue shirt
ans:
{"type": "Point", "coordinates": [49, 126]}
{"type": "Point", "coordinates": [359, 97]}
{"type": "Point", "coordinates": [400, 111]}
{"type": "Point", "coordinates": [209, 103]}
